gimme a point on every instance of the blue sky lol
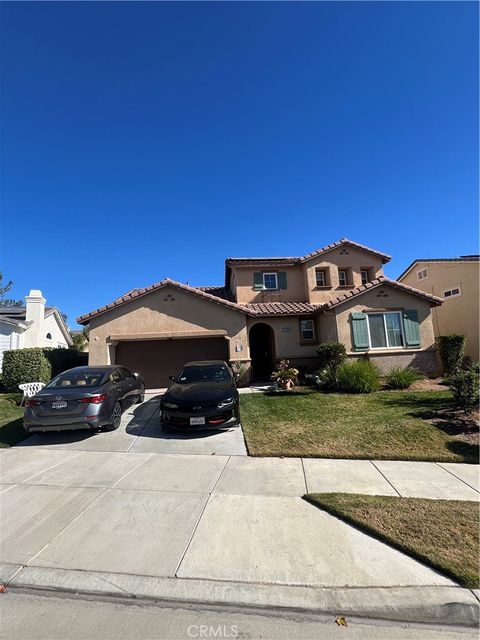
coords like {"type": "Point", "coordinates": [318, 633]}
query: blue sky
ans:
{"type": "Point", "coordinates": [151, 140]}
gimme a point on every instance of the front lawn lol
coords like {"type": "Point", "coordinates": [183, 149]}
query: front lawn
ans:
{"type": "Point", "coordinates": [388, 425]}
{"type": "Point", "coordinates": [440, 533]}
{"type": "Point", "coordinates": [11, 414]}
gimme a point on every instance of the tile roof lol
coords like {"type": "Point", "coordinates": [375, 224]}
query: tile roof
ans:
{"type": "Point", "coordinates": [281, 308]}
{"type": "Point", "coordinates": [385, 257]}
{"type": "Point", "coordinates": [296, 260]}
{"type": "Point", "coordinates": [218, 291]}
{"type": "Point", "coordinates": [382, 280]}
{"type": "Point", "coordinates": [472, 258]}
{"type": "Point", "coordinates": [136, 293]}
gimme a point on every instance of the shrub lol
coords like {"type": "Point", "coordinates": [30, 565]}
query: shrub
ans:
{"type": "Point", "coordinates": [25, 365]}
{"type": "Point", "coordinates": [451, 349]}
{"type": "Point", "coordinates": [464, 386]}
{"type": "Point", "coordinates": [359, 376]}
{"type": "Point", "coordinates": [63, 359]}
{"type": "Point", "coordinates": [399, 378]}
{"type": "Point", "coordinates": [240, 371]}
{"type": "Point", "coordinates": [284, 373]}
{"type": "Point", "coordinates": [331, 355]}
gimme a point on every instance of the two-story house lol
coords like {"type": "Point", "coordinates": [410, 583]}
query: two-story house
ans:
{"type": "Point", "coordinates": [457, 282]}
{"type": "Point", "coordinates": [269, 309]}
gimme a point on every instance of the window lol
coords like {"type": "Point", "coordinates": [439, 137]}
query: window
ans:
{"type": "Point", "coordinates": [49, 336]}
{"type": "Point", "coordinates": [452, 293]}
{"type": "Point", "coordinates": [320, 276]}
{"type": "Point", "coordinates": [364, 275]}
{"type": "Point", "coordinates": [307, 330]}
{"type": "Point", "coordinates": [385, 330]}
{"type": "Point", "coordinates": [421, 275]}
{"type": "Point", "coordinates": [116, 376]}
{"type": "Point", "coordinates": [270, 281]}
{"type": "Point", "coordinates": [342, 278]}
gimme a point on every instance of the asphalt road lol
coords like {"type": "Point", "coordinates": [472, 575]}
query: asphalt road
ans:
{"type": "Point", "coordinates": [46, 616]}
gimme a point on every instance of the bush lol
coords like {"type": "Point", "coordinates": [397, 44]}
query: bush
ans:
{"type": "Point", "coordinates": [331, 355]}
{"type": "Point", "coordinates": [399, 378]}
{"type": "Point", "coordinates": [464, 386]}
{"type": "Point", "coordinates": [25, 365]}
{"type": "Point", "coordinates": [63, 359]}
{"type": "Point", "coordinates": [451, 349]}
{"type": "Point", "coordinates": [359, 376]}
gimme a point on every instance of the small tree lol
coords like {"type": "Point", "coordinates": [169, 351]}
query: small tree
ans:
{"type": "Point", "coordinates": [464, 386]}
{"type": "Point", "coordinates": [331, 355]}
{"type": "Point", "coordinates": [451, 349]}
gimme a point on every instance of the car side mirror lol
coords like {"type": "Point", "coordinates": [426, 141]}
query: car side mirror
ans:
{"type": "Point", "coordinates": [171, 377]}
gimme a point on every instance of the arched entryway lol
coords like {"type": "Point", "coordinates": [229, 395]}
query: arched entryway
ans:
{"type": "Point", "coordinates": [262, 351]}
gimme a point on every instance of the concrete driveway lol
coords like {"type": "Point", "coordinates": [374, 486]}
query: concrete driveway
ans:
{"type": "Point", "coordinates": [119, 510]}
{"type": "Point", "coordinates": [140, 432]}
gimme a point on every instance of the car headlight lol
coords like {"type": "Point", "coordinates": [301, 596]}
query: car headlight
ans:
{"type": "Point", "coordinates": [225, 403]}
{"type": "Point", "coordinates": [170, 405]}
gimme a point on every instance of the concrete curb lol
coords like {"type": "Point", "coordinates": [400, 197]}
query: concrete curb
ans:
{"type": "Point", "coordinates": [429, 604]}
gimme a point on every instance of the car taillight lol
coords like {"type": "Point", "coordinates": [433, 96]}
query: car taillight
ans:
{"type": "Point", "coordinates": [94, 399]}
{"type": "Point", "coordinates": [30, 402]}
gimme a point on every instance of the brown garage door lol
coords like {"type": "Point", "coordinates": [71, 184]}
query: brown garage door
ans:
{"type": "Point", "coordinates": [156, 360]}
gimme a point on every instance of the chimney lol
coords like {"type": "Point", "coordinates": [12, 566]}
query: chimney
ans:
{"type": "Point", "coordinates": [35, 311]}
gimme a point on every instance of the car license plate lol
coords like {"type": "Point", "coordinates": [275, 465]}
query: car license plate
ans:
{"type": "Point", "coordinates": [59, 404]}
{"type": "Point", "coordinates": [197, 420]}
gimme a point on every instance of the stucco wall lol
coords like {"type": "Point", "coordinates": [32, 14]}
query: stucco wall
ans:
{"type": "Point", "coordinates": [459, 314]}
{"type": "Point", "coordinates": [295, 291]}
{"type": "Point", "coordinates": [344, 257]}
{"type": "Point", "coordinates": [391, 299]}
{"type": "Point", "coordinates": [167, 310]}
{"type": "Point", "coordinates": [287, 337]}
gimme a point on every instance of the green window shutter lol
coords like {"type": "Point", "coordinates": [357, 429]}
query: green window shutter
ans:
{"type": "Point", "coordinates": [412, 328]}
{"type": "Point", "coordinates": [360, 331]}
{"type": "Point", "coordinates": [258, 281]}
{"type": "Point", "coordinates": [282, 280]}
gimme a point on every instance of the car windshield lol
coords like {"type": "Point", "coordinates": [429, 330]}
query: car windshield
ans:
{"type": "Point", "coordinates": [204, 373]}
{"type": "Point", "coordinates": [75, 379]}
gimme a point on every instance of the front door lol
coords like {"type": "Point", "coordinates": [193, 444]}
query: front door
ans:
{"type": "Point", "coordinates": [262, 351]}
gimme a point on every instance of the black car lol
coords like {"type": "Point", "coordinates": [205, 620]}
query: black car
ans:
{"type": "Point", "coordinates": [84, 398]}
{"type": "Point", "coordinates": [202, 396]}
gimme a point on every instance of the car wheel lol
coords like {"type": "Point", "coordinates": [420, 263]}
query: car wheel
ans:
{"type": "Point", "coordinates": [141, 397]}
{"type": "Point", "coordinates": [116, 418]}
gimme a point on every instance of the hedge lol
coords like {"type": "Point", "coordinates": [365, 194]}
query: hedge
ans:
{"type": "Point", "coordinates": [37, 365]}
{"type": "Point", "coordinates": [451, 349]}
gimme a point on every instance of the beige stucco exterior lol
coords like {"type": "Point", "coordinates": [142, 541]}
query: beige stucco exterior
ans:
{"type": "Point", "coordinates": [301, 277]}
{"type": "Point", "coordinates": [166, 313]}
{"type": "Point", "coordinates": [459, 314]}
{"type": "Point", "coordinates": [389, 298]}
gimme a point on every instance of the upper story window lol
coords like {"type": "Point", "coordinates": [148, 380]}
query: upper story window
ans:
{"type": "Point", "coordinates": [307, 330]}
{"type": "Point", "coordinates": [422, 274]}
{"type": "Point", "coordinates": [365, 275]}
{"type": "Point", "coordinates": [322, 278]}
{"type": "Point", "coordinates": [342, 277]}
{"type": "Point", "coordinates": [270, 281]}
{"type": "Point", "coordinates": [452, 293]}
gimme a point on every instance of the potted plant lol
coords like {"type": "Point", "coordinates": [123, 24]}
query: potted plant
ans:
{"type": "Point", "coordinates": [285, 375]}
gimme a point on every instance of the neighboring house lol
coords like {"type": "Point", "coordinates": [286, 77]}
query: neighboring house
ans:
{"type": "Point", "coordinates": [34, 325]}
{"type": "Point", "coordinates": [269, 309]}
{"type": "Point", "coordinates": [457, 282]}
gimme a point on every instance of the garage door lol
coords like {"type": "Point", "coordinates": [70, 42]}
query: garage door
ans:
{"type": "Point", "coordinates": [156, 360]}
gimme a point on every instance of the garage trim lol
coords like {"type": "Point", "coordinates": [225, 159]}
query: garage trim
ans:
{"type": "Point", "coordinates": [168, 335]}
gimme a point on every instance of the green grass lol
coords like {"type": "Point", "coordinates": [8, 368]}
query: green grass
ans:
{"type": "Point", "coordinates": [11, 414]}
{"type": "Point", "coordinates": [388, 425]}
{"type": "Point", "coordinates": [441, 533]}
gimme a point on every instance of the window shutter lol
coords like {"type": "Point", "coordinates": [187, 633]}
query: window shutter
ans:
{"type": "Point", "coordinates": [360, 331]}
{"type": "Point", "coordinates": [412, 329]}
{"type": "Point", "coordinates": [258, 281]}
{"type": "Point", "coordinates": [282, 280]}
